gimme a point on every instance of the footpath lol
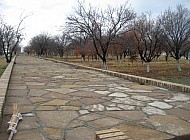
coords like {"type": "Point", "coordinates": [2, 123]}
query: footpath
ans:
{"type": "Point", "coordinates": [60, 102]}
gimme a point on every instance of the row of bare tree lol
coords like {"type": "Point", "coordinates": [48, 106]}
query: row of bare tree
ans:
{"type": "Point", "coordinates": [91, 31]}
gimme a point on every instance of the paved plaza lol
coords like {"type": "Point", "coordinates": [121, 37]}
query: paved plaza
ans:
{"type": "Point", "coordinates": [60, 102]}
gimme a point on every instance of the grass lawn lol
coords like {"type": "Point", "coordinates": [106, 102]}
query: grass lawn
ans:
{"type": "Point", "coordinates": [3, 65]}
{"type": "Point", "coordinates": [158, 70]}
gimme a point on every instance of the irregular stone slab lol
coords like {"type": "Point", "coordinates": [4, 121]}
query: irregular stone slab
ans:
{"type": "Point", "coordinates": [100, 88]}
{"type": "Point", "coordinates": [18, 87]}
{"type": "Point", "coordinates": [35, 83]}
{"type": "Point", "coordinates": [27, 135]}
{"type": "Point", "coordinates": [112, 108]}
{"type": "Point", "coordinates": [179, 97]}
{"type": "Point", "coordinates": [28, 115]}
{"type": "Point", "coordinates": [110, 104]}
{"type": "Point", "coordinates": [14, 92]}
{"type": "Point", "coordinates": [18, 100]}
{"type": "Point", "coordinates": [22, 109]}
{"type": "Point", "coordinates": [128, 101]}
{"type": "Point", "coordinates": [114, 90]}
{"type": "Point", "coordinates": [125, 115]}
{"type": "Point", "coordinates": [170, 124]}
{"type": "Point", "coordinates": [28, 123]}
{"type": "Point", "coordinates": [37, 92]}
{"type": "Point", "coordinates": [56, 119]}
{"type": "Point", "coordinates": [89, 101]}
{"type": "Point", "coordinates": [56, 95]}
{"type": "Point", "coordinates": [104, 122]}
{"type": "Point", "coordinates": [138, 91]}
{"type": "Point", "coordinates": [69, 108]}
{"type": "Point", "coordinates": [36, 86]}
{"type": "Point", "coordinates": [4, 135]}
{"type": "Point", "coordinates": [38, 100]}
{"type": "Point", "coordinates": [143, 98]}
{"type": "Point", "coordinates": [143, 87]}
{"type": "Point", "coordinates": [75, 103]}
{"type": "Point", "coordinates": [80, 133]}
{"type": "Point", "coordinates": [53, 133]}
{"type": "Point", "coordinates": [86, 89]}
{"type": "Point", "coordinates": [113, 85]}
{"type": "Point", "coordinates": [90, 117]}
{"type": "Point", "coordinates": [45, 108]}
{"type": "Point", "coordinates": [85, 94]}
{"type": "Point", "coordinates": [26, 78]}
{"type": "Point", "coordinates": [97, 107]}
{"type": "Point", "coordinates": [61, 90]}
{"type": "Point", "coordinates": [157, 95]}
{"type": "Point", "coordinates": [82, 112]}
{"type": "Point", "coordinates": [183, 105]}
{"type": "Point", "coordinates": [123, 88]}
{"type": "Point", "coordinates": [153, 111]}
{"type": "Point", "coordinates": [102, 92]}
{"type": "Point", "coordinates": [56, 102]}
{"type": "Point", "coordinates": [97, 85]}
{"type": "Point", "coordinates": [68, 86]}
{"type": "Point", "coordinates": [53, 85]}
{"type": "Point", "coordinates": [161, 105]}
{"type": "Point", "coordinates": [75, 123]}
{"type": "Point", "coordinates": [181, 113]}
{"type": "Point", "coordinates": [142, 133]}
{"type": "Point", "coordinates": [118, 94]}
{"type": "Point", "coordinates": [59, 77]}
{"type": "Point", "coordinates": [126, 107]}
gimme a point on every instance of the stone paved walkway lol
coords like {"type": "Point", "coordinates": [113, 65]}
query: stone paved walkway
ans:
{"type": "Point", "coordinates": [59, 102]}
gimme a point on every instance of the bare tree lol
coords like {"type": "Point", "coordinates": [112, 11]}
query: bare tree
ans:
{"type": "Point", "coordinates": [149, 38]}
{"type": "Point", "coordinates": [79, 40]}
{"type": "Point", "coordinates": [176, 27]}
{"type": "Point", "coordinates": [127, 45]}
{"type": "Point", "coordinates": [101, 25]}
{"type": "Point", "coordinates": [40, 43]}
{"type": "Point", "coordinates": [10, 37]}
{"type": "Point", "coordinates": [61, 42]}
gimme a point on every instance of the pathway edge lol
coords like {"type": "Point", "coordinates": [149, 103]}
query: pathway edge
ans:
{"type": "Point", "coordinates": [4, 84]}
{"type": "Point", "coordinates": [138, 79]}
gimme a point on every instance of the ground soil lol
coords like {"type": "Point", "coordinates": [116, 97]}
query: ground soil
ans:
{"type": "Point", "coordinates": [159, 69]}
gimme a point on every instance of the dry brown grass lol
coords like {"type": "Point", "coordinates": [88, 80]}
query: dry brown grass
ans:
{"type": "Point", "coordinates": [158, 70]}
{"type": "Point", "coordinates": [3, 65]}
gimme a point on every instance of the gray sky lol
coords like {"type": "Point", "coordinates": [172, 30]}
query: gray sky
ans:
{"type": "Point", "coordinates": [49, 15]}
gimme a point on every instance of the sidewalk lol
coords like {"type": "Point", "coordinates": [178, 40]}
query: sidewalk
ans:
{"type": "Point", "coordinates": [59, 102]}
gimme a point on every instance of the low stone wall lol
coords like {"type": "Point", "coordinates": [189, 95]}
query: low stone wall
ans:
{"type": "Point", "coordinates": [4, 83]}
{"type": "Point", "coordinates": [138, 79]}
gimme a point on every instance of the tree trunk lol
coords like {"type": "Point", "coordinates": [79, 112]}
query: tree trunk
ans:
{"type": "Point", "coordinates": [178, 66]}
{"type": "Point", "coordinates": [147, 67]}
{"type": "Point", "coordinates": [105, 65]}
{"type": "Point", "coordinates": [120, 60]}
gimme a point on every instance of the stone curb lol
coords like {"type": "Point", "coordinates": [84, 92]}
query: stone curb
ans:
{"type": "Point", "coordinates": [138, 79]}
{"type": "Point", "coordinates": [4, 83]}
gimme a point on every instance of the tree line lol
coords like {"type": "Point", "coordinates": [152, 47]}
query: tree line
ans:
{"type": "Point", "coordinates": [119, 31]}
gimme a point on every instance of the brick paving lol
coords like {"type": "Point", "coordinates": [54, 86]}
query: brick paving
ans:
{"type": "Point", "coordinates": [60, 102]}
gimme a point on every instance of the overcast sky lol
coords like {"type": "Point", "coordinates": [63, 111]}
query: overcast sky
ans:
{"type": "Point", "coordinates": [49, 15]}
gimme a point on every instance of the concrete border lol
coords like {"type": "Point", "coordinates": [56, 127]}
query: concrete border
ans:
{"type": "Point", "coordinates": [4, 83]}
{"type": "Point", "coordinates": [138, 79]}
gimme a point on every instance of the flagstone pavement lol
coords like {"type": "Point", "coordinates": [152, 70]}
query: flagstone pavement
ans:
{"type": "Point", "coordinates": [60, 102]}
